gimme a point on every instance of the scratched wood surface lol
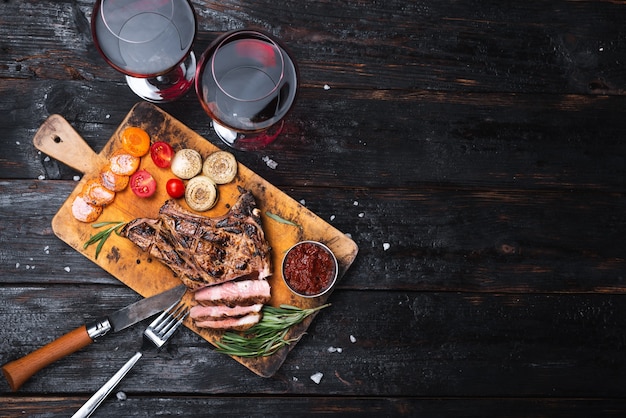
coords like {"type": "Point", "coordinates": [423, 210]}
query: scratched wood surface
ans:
{"type": "Point", "coordinates": [472, 150]}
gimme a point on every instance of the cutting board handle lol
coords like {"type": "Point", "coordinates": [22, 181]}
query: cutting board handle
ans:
{"type": "Point", "coordinates": [59, 140]}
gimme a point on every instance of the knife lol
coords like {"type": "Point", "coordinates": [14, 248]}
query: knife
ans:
{"type": "Point", "coordinates": [19, 371]}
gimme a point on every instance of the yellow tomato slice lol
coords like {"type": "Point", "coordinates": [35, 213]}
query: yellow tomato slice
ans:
{"type": "Point", "coordinates": [135, 141]}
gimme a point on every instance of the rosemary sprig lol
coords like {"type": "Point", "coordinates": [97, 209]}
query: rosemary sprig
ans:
{"type": "Point", "coordinates": [268, 335]}
{"type": "Point", "coordinates": [282, 220]}
{"type": "Point", "coordinates": [103, 235]}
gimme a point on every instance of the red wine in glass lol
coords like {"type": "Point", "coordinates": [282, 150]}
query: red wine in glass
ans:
{"type": "Point", "coordinates": [246, 82]}
{"type": "Point", "coordinates": [149, 41]}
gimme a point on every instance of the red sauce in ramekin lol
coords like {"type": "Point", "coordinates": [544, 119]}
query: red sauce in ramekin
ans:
{"type": "Point", "coordinates": [309, 268]}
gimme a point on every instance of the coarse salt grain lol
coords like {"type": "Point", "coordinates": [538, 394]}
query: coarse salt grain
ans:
{"type": "Point", "coordinates": [362, 214]}
{"type": "Point", "coordinates": [355, 203]}
{"type": "Point", "coordinates": [332, 217]}
{"type": "Point", "coordinates": [76, 178]}
{"type": "Point", "coordinates": [352, 339]}
{"type": "Point", "coordinates": [326, 87]}
{"type": "Point", "coordinates": [317, 377]}
{"type": "Point", "coordinates": [17, 265]}
{"type": "Point", "coordinates": [270, 163]}
{"type": "Point", "coordinates": [386, 246]}
{"type": "Point", "coordinates": [46, 159]}
{"type": "Point", "coordinates": [41, 177]}
{"type": "Point", "coordinates": [66, 268]}
{"type": "Point", "coordinates": [303, 202]}
{"type": "Point", "coordinates": [335, 349]}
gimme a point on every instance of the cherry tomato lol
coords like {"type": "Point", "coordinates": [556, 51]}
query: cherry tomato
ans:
{"type": "Point", "coordinates": [162, 154]}
{"type": "Point", "coordinates": [142, 184]}
{"type": "Point", "coordinates": [135, 141]}
{"type": "Point", "coordinates": [175, 188]}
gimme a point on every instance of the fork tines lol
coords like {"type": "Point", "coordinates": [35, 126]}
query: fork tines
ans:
{"type": "Point", "coordinates": [162, 328]}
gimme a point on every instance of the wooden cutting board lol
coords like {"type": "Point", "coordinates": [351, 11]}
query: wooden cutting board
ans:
{"type": "Point", "coordinates": [130, 265]}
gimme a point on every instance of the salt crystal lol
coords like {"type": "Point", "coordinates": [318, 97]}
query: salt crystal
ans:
{"type": "Point", "coordinates": [335, 350]}
{"type": "Point", "coordinates": [352, 339]}
{"type": "Point", "coordinates": [332, 217]}
{"type": "Point", "coordinates": [270, 163]}
{"type": "Point", "coordinates": [386, 246]}
{"type": "Point", "coordinates": [303, 202]}
{"type": "Point", "coordinates": [317, 377]}
{"type": "Point", "coordinates": [355, 203]}
{"type": "Point", "coordinates": [361, 215]}
{"type": "Point", "coordinates": [67, 268]}
{"type": "Point", "coordinates": [76, 178]}
{"type": "Point", "coordinates": [121, 396]}
{"type": "Point", "coordinates": [295, 379]}
{"type": "Point", "coordinates": [17, 265]}
{"type": "Point", "coordinates": [41, 177]}
{"type": "Point", "coordinates": [326, 87]}
{"type": "Point", "coordinates": [17, 142]}
{"type": "Point", "coordinates": [46, 159]}
{"type": "Point", "coordinates": [107, 116]}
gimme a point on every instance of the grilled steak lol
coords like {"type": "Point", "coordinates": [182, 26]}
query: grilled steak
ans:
{"type": "Point", "coordinates": [199, 312]}
{"type": "Point", "coordinates": [232, 305]}
{"type": "Point", "coordinates": [205, 251]}
{"type": "Point", "coordinates": [234, 293]}
{"type": "Point", "coordinates": [237, 323]}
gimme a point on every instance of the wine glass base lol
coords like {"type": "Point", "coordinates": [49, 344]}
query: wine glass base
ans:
{"type": "Point", "coordinates": [167, 87]}
{"type": "Point", "coordinates": [248, 141]}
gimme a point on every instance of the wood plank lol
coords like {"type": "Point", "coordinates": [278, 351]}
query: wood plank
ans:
{"type": "Point", "coordinates": [442, 46]}
{"type": "Point", "coordinates": [440, 239]}
{"type": "Point", "coordinates": [197, 406]}
{"type": "Point", "coordinates": [400, 141]}
{"type": "Point", "coordinates": [405, 344]}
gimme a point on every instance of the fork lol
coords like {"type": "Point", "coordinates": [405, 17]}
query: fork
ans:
{"type": "Point", "coordinates": [156, 335]}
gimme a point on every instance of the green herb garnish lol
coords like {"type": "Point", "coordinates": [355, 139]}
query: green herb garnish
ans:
{"type": "Point", "coordinates": [268, 335]}
{"type": "Point", "coordinates": [282, 220]}
{"type": "Point", "coordinates": [102, 236]}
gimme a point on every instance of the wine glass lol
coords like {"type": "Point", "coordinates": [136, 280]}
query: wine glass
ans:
{"type": "Point", "coordinates": [149, 41]}
{"type": "Point", "coordinates": [246, 82]}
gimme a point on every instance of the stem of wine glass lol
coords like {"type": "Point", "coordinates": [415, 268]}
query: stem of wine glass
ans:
{"type": "Point", "coordinates": [167, 87]}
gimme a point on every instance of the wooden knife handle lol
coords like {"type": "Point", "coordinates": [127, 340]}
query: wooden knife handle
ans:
{"type": "Point", "coordinates": [59, 140]}
{"type": "Point", "coordinates": [19, 371]}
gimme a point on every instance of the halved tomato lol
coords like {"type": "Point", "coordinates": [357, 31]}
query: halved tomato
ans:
{"type": "Point", "coordinates": [162, 154]}
{"type": "Point", "coordinates": [175, 188]}
{"type": "Point", "coordinates": [142, 184]}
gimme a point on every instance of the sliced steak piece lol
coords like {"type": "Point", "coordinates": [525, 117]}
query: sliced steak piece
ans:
{"type": "Point", "coordinates": [199, 312]}
{"type": "Point", "coordinates": [235, 293]}
{"type": "Point", "coordinates": [205, 251]}
{"type": "Point", "coordinates": [238, 323]}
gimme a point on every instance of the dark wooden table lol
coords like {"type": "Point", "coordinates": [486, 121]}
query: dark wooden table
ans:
{"type": "Point", "coordinates": [474, 150]}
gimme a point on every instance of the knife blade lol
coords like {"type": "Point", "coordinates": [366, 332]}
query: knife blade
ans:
{"type": "Point", "coordinates": [19, 371]}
